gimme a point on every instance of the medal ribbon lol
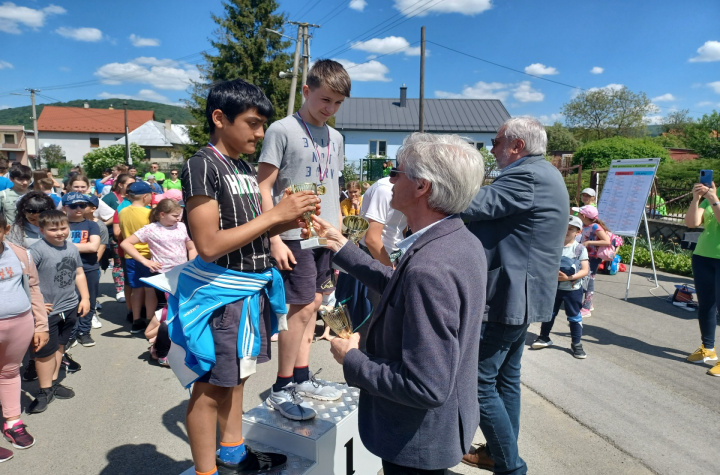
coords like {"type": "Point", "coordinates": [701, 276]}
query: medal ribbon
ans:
{"type": "Point", "coordinates": [321, 175]}
{"type": "Point", "coordinates": [255, 206]}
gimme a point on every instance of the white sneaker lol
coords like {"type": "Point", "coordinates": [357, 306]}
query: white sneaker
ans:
{"type": "Point", "coordinates": [289, 404]}
{"type": "Point", "coordinates": [120, 297]}
{"type": "Point", "coordinates": [96, 323]}
{"type": "Point", "coordinates": [317, 390]}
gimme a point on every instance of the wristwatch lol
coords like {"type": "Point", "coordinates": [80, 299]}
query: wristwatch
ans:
{"type": "Point", "coordinates": [716, 203]}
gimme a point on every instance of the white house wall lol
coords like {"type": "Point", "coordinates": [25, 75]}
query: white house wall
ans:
{"type": "Point", "coordinates": [75, 144]}
{"type": "Point", "coordinates": [357, 142]}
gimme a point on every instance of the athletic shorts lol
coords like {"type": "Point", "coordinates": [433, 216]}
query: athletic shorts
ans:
{"type": "Point", "coordinates": [134, 271]}
{"type": "Point", "coordinates": [313, 267]}
{"type": "Point", "coordinates": [572, 299]}
{"type": "Point", "coordinates": [60, 327]}
{"type": "Point", "coordinates": [224, 325]}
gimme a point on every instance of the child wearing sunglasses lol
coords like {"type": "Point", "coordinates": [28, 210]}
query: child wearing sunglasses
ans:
{"type": "Point", "coordinates": [85, 234]}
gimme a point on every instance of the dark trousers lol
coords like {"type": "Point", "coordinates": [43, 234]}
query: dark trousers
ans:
{"type": "Point", "coordinates": [706, 272]}
{"type": "Point", "coordinates": [390, 468]}
{"type": "Point", "coordinates": [501, 348]}
{"type": "Point", "coordinates": [162, 341]}
{"type": "Point", "coordinates": [83, 324]}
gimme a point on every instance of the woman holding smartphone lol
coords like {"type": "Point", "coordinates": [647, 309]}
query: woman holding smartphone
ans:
{"type": "Point", "coordinates": [705, 209]}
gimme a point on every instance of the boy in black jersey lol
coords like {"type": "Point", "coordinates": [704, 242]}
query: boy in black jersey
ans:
{"type": "Point", "coordinates": [225, 220]}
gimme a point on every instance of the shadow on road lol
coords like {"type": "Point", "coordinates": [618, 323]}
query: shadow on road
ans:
{"type": "Point", "coordinates": [142, 459]}
{"type": "Point", "coordinates": [174, 421]}
{"type": "Point", "coordinates": [603, 336]}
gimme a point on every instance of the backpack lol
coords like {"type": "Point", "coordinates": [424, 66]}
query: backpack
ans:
{"type": "Point", "coordinates": [607, 253]}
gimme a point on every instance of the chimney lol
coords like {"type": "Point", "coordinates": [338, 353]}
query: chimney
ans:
{"type": "Point", "coordinates": [167, 124]}
{"type": "Point", "coordinates": [86, 105]}
{"type": "Point", "coordinates": [403, 96]}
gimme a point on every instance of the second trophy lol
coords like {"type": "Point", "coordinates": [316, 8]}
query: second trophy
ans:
{"type": "Point", "coordinates": [313, 241]}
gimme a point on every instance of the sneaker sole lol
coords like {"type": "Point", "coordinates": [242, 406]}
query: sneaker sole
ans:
{"type": "Point", "coordinates": [6, 459]}
{"type": "Point", "coordinates": [20, 447]}
{"type": "Point", "coordinates": [580, 357]}
{"type": "Point", "coordinates": [135, 332]}
{"type": "Point", "coordinates": [713, 374]}
{"type": "Point", "coordinates": [703, 361]}
{"type": "Point", "coordinates": [319, 398]}
{"type": "Point", "coordinates": [29, 379]}
{"type": "Point", "coordinates": [272, 407]}
{"type": "Point", "coordinates": [535, 346]}
{"type": "Point", "coordinates": [87, 345]}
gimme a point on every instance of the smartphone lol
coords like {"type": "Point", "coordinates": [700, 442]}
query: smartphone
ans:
{"type": "Point", "coordinates": [706, 177]}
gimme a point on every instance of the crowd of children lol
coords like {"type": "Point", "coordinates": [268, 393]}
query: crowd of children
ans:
{"type": "Point", "coordinates": [53, 242]}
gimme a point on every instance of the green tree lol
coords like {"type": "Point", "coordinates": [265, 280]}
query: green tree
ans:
{"type": "Point", "coordinates": [606, 112]}
{"type": "Point", "coordinates": [703, 136]}
{"type": "Point", "coordinates": [676, 121]}
{"type": "Point", "coordinates": [107, 157]}
{"type": "Point", "coordinates": [350, 171]}
{"type": "Point", "coordinates": [53, 155]}
{"type": "Point", "coordinates": [246, 50]}
{"type": "Point", "coordinates": [670, 140]}
{"type": "Point", "coordinates": [561, 139]}
{"type": "Point", "coordinates": [600, 153]}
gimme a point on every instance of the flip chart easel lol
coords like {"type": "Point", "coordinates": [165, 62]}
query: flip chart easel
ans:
{"type": "Point", "coordinates": [622, 202]}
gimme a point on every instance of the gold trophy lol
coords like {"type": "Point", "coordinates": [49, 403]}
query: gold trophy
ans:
{"type": "Point", "coordinates": [354, 228]}
{"type": "Point", "coordinates": [313, 241]}
{"type": "Point", "coordinates": [338, 320]}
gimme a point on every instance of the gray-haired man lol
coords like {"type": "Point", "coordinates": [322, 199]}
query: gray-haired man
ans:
{"type": "Point", "coordinates": [521, 219]}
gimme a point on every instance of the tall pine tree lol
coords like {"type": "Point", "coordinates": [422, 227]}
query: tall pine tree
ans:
{"type": "Point", "coordinates": [245, 50]}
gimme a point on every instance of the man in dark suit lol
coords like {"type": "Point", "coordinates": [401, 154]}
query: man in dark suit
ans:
{"type": "Point", "coordinates": [521, 220]}
{"type": "Point", "coordinates": [417, 377]}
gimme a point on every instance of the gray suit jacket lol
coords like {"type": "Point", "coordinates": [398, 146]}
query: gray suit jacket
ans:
{"type": "Point", "coordinates": [418, 378]}
{"type": "Point", "coordinates": [521, 220]}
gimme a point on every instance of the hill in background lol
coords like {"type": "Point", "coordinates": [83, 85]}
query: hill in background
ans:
{"type": "Point", "coordinates": [22, 115]}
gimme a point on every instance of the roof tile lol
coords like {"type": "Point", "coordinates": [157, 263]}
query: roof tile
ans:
{"type": "Point", "coordinates": [80, 119]}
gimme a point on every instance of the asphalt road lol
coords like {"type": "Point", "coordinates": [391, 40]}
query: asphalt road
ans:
{"type": "Point", "coordinates": [633, 406]}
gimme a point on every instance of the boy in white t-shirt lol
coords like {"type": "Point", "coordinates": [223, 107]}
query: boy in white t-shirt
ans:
{"type": "Point", "coordinates": [573, 267]}
{"type": "Point", "coordinates": [386, 224]}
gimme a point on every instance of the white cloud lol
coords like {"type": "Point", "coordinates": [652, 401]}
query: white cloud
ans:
{"type": "Point", "coordinates": [525, 93]}
{"type": "Point", "coordinates": [708, 104]}
{"type": "Point", "coordinates": [365, 72]}
{"type": "Point", "coordinates": [159, 73]}
{"type": "Point", "coordinates": [653, 119]}
{"type": "Point", "coordinates": [539, 69]}
{"type": "Point", "coordinates": [142, 95]}
{"type": "Point", "coordinates": [664, 98]}
{"type": "Point", "coordinates": [5, 65]}
{"type": "Point", "coordinates": [80, 34]}
{"type": "Point", "coordinates": [12, 17]}
{"type": "Point", "coordinates": [422, 8]}
{"type": "Point", "coordinates": [597, 70]}
{"type": "Point", "coordinates": [479, 90]}
{"type": "Point", "coordinates": [715, 86]}
{"type": "Point", "coordinates": [391, 44]}
{"type": "Point", "coordinates": [609, 87]}
{"type": "Point", "coordinates": [710, 51]}
{"type": "Point", "coordinates": [551, 119]}
{"type": "Point", "coordinates": [4, 106]}
{"type": "Point", "coordinates": [358, 5]}
{"type": "Point", "coordinates": [140, 42]}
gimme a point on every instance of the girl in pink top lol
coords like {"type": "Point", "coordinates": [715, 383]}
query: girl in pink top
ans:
{"type": "Point", "coordinates": [166, 237]}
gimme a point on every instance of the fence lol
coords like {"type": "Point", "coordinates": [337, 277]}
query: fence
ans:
{"type": "Point", "coordinates": [573, 181]}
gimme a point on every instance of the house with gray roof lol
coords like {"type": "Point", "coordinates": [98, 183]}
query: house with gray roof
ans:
{"type": "Point", "coordinates": [378, 126]}
{"type": "Point", "coordinates": [162, 142]}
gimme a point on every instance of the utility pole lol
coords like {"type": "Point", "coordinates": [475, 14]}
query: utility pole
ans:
{"type": "Point", "coordinates": [304, 28]}
{"type": "Point", "coordinates": [128, 158]}
{"type": "Point", "coordinates": [35, 130]}
{"type": "Point", "coordinates": [422, 80]}
{"type": "Point", "coordinates": [296, 63]}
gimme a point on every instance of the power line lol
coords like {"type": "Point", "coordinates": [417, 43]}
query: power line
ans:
{"type": "Point", "coordinates": [302, 13]}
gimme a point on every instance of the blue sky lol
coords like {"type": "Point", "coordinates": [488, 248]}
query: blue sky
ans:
{"type": "Point", "coordinates": [150, 49]}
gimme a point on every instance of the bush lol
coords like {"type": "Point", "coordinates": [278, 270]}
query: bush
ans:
{"type": "Point", "coordinates": [668, 256]}
{"type": "Point", "coordinates": [107, 157]}
{"type": "Point", "coordinates": [688, 170]}
{"type": "Point", "coordinates": [600, 153]}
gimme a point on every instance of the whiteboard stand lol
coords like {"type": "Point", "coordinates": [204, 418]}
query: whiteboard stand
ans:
{"type": "Point", "coordinates": [632, 255]}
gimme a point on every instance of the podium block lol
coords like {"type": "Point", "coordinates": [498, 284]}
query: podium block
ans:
{"type": "Point", "coordinates": [331, 440]}
{"type": "Point", "coordinates": [328, 444]}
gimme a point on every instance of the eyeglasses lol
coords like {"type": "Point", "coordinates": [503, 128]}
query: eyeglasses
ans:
{"type": "Point", "coordinates": [173, 173]}
{"type": "Point", "coordinates": [394, 172]}
{"type": "Point", "coordinates": [494, 142]}
{"type": "Point", "coordinates": [35, 211]}
{"type": "Point", "coordinates": [78, 205]}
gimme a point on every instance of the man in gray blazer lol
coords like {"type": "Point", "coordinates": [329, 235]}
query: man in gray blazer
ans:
{"type": "Point", "coordinates": [418, 409]}
{"type": "Point", "coordinates": [521, 220]}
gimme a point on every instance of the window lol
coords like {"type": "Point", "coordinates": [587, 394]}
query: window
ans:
{"type": "Point", "coordinates": [378, 148]}
{"type": "Point", "coordinates": [9, 138]}
{"type": "Point", "coordinates": [478, 145]}
{"type": "Point", "coordinates": [94, 142]}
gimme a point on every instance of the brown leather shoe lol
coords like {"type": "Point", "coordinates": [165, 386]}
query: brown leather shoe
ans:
{"type": "Point", "coordinates": [479, 457]}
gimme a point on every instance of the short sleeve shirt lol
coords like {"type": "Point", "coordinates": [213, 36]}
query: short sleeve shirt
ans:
{"type": "Point", "coordinates": [104, 234]}
{"type": "Point", "coordinates": [237, 195]}
{"type": "Point", "coordinates": [572, 252]}
{"type": "Point", "coordinates": [288, 147]}
{"type": "Point", "coordinates": [57, 268]}
{"type": "Point", "coordinates": [376, 206]}
{"type": "Point", "coordinates": [131, 219]}
{"type": "Point", "coordinates": [167, 245]}
{"type": "Point", "coordinates": [172, 185]}
{"type": "Point", "coordinates": [708, 244]}
{"type": "Point", "coordinates": [80, 233]}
